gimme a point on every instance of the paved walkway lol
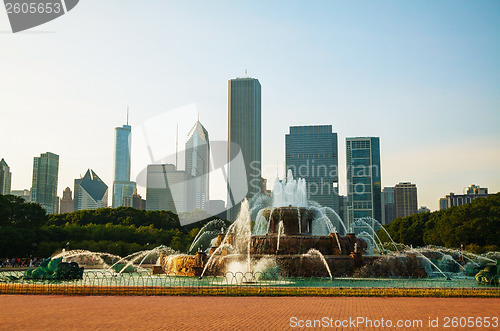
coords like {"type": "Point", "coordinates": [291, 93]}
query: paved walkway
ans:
{"type": "Point", "coordinates": [20, 312]}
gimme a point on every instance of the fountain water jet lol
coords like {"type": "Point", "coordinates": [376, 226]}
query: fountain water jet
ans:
{"type": "Point", "coordinates": [314, 252]}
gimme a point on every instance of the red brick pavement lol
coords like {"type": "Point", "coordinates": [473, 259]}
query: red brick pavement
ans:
{"type": "Point", "coordinates": [20, 312]}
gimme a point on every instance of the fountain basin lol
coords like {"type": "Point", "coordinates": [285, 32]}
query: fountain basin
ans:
{"type": "Point", "coordinates": [334, 244]}
{"type": "Point", "coordinates": [296, 220]}
{"type": "Point", "coordinates": [293, 265]}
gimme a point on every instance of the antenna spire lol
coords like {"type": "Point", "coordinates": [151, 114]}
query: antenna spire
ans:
{"type": "Point", "coordinates": [127, 115]}
{"type": "Point", "coordinates": [246, 73]}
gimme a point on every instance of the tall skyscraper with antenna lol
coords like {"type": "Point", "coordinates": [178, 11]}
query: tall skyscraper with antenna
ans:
{"type": "Point", "coordinates": [122, 186]}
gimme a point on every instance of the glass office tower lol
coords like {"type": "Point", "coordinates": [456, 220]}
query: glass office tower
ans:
{"type": "Point", "coordinates": [388, 205]}
{"type": "Point", "coordinates": [363, 178]}
{"type": "Point", "coordinates": [165, 188]}
{"type": "Point", "coordinates": [44, 183]}
{"type": "Point", "coordinates": [244, 126]}
{"type": "Point", "coordinates": [122, 186]}
{"type": "Point", "coordinates": [311, 153]}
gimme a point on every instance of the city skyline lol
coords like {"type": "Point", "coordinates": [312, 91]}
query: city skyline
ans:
{"type": "Point", "coordinates": [422, 78]}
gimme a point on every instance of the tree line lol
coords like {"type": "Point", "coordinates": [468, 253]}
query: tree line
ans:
{"type": "Point", "coordinates": [475, 225]}
{"type": "Point", "coordinates": [26, 230]}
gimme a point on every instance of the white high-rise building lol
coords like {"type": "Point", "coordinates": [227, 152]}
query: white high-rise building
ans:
{"type": "Point", "coordinates": [90, 192]}
{"type": "Point", "coordinates": [197, 168]}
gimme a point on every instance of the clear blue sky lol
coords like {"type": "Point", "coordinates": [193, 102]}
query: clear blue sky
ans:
{"type": "Point", "coordinates": [424, 76]}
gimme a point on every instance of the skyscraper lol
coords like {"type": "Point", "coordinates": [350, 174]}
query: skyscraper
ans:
{"type": "Point", "coordinates": [44, 183]}
{"type": "Point", "coordinates": [342, 212]}
{"type": "Point", "coordinates": [405, 199]}
{"type": "Point", "coordinates": [66, 205]}
{"type": "Point", "coordinates": [76, 192]}
{"type": "Point", "coordinates": [122, 186]}
{"type": "Point", "coordinates": [311, 153]}
{"type": "Point", "coordinates": [165, 188]}
{"type": "Point", "coordinates": [363, 178]}
{"type": "Point", "coordinates": [5, 178]}
{"type": "Point", "coordinates": [244, 129]}
{"type": "Point", "coordinates": [388, 205]}
{"type": "Point", "coordinates": [92, 192]}
{"type": "Point", "coordinates": [197, 159]}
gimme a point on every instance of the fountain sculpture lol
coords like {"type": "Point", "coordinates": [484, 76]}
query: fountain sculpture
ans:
{"type": "Point", "coordinates": [291, 236]}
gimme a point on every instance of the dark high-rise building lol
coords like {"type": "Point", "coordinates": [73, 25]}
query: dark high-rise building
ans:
{"type": "Point", "coordinates": [122, 186]}
{"type": "Point", "coordinates": [5, 178]}
{"type": "Point", "coordinates": [405, 199]}
{"type": "Point", "coordinates": [363, 178]}
{"type": "Point", "coordinates": [76, 191]}
{"type": "Point", "coordinates": [44, 183]}
{"type": "Point", "coordinates": [312, 154]}
{"type": "Point", "coordinates": [197, 165]}
{"type": "Point", "coordinates": [92, 192]}
{"type": "Point", "coordinates": [342, 212]}
{"type": "Point", "coordinates": [244, 126]}
{"type": "Point", "coordinates": [66, 205]}
{"type": "Point", "coordinates": [165, 188]}
{"type": "Point", "coordinates": [388, 205]}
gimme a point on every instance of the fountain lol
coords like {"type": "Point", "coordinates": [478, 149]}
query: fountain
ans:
{"type": "Point", "coordinates": [294, 233]}
{"type": "Point", "coordinates": [287, 235]}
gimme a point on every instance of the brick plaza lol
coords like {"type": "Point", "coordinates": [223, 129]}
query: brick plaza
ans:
{"type": "Point", "coordinates": [24, 312]}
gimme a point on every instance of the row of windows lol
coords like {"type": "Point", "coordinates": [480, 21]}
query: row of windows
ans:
{"type": "Point", "coordinates": [309, 155]}
{"type": "Point", "coordinates": [362, 205]}
{"type": "Point", "coordinates": [311, 129]}
{"type": "Point", "coordinates": [360, 144]}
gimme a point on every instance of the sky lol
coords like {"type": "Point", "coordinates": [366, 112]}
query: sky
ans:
{"type": "Point", "coordinates": [424, 76]}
